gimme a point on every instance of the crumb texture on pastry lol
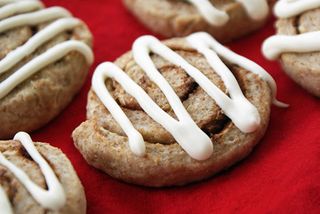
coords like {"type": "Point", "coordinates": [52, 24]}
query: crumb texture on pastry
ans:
{"type": "Point", "coordinates": [104, 144]}
{"type": "Point", "coordinates": [27, 104]}
{"type": "Point", "coordinates": [20, 199]}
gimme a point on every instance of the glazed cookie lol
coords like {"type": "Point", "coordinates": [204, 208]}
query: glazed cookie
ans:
{"type": "Point", "coordinates": [37, 178]}
{"type": "Point", "coordinates": [172, 113]}
{"type": "Point", "coordinates": [296, 45]}
{"type": "Point", "coordinates": [45, 56]}
{"type": "Point", "coordinates": [224, 19]}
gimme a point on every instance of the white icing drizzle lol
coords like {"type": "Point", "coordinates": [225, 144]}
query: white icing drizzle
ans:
{"type": "Point", "coordinates": [40, 62]}
{"type": "Point", "coordinates": [290, 8]}
{"type": "Point", "coordinates": [204, 43]}
{"type": "Point", "coordinates": [5, 206]}
{"type": "Point", "coordinates": [33, 18]}
{"type": "Point", "coordinates": [63, 23]}
{"type": "Point", "coordinates": [4, 2]}
{"type": "Point", "coordinates": [36, 41]}
{"type": "Point", "coordinates": [275, 45]}
{"type": "Point", "coordinates": [185, 131]}
{"type": "Point", "coordinates": [22, 7]}
{"type": "Point", "coordinates": [256, 9]}
{"type": "Point", "coordinates": [54, 198]}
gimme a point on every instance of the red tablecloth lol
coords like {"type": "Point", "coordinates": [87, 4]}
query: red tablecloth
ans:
{"type": "Point", "coordinates": [281, 176]}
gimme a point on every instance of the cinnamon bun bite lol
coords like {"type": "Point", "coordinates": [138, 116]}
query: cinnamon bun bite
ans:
{"type": "Point", "coordinates": [45, 55]}
{"type": "Point", "coordinates": [174, 112]}
{"type": "Point", "coordinates": [37, 178]}
{"type": "Point", "coordinates": [296, 44]}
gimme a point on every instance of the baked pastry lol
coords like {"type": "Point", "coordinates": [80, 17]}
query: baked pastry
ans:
{"type": "Point", "coordinates": [296, 45]}
{"type": "Point", "coordinates": [166, 119]}
{"type": "Point", "coordinates": [224, 19]}
{"type": "Point", "coordinates": [37, 178]}
{"type": "Point", "coordinates": [45, 56]}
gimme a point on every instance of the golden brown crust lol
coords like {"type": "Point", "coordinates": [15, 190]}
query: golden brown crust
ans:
{"type": "Point", "coordinates": [22, 202]}
{"type": "Point", "coordinates": [179, 18]}
{"type": "Point", "coordinates": [43, 96]}
{"type": "Point", "coordinates": [303, 68]}
{"type": "Point", "coordinates": [104, 145]}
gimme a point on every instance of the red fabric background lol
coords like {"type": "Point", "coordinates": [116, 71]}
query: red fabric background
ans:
{"type": "Point", "coordinates": [281, 176]}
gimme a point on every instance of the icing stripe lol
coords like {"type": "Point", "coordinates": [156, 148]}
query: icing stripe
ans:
{"type": "Point", "coordinates": [109, 70]}
{"type": "Point", "coordinates": [63, 23]}
{"type": "Point", "coordinates": [211, 14]}
{"type": "Point", "coordinates": [182, 129]}
{"type": "Point", "coordinates": [40, 62]}
{"type": "Point", "coordinates": [5, 206]}
{"type": "Point", "coordinates": [204, 43]}
{"type": "Point", "coordinates": [256, 9]}
{"type": "Point", "coordinates": [19, 7]}
{"type": "Point", "coordinates": [4, 2]}
{"type": "Point", "coordinates": [291, 8]}
{"type": "Point", "coordinates": [141, 50]}
{"type": "Point", "coordinates": [274, 46]}
{"type": "Point", "coordinates": [34, 18]}
{"type": "Point", "coordinates": [54, 198]}
{"type": "Point", "coordinates": [185, 131]}
{"type": "Point", "coordinates": [36, 41]}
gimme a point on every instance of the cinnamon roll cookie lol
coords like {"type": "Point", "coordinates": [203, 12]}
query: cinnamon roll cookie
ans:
{"type": "Point", "coordinates": [175, 112]}
{"type": "Point", "coordinates": [224, 19]}
{"type": "Point", "coordinates": [45, 55]}
{"type": "Point", "coordinates": [37, 178]}
{"type": "Point", "coordinates": [297, 44]}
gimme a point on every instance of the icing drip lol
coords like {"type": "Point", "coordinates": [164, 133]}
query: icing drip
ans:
{"type": "Point", "coordinates": [290, 8]}
{"type": "Point", "coordinates": [185, 131]}
{"type": "Point", "coordinates": [211, 14]}
{"type": "Point", "coordinates": [256, 9]}
{"type": "Point", "coordinates": [54, 198]}
{"type": "Point", "coordinates": [4, 203]}
{"type": "Point", "coordinates": [275, 45]}
{"type": "Point", "coordinates": [63, 23]}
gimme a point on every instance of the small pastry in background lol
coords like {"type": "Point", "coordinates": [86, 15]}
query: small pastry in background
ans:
{"type": "Point", "coordinates": [37, 178]}
{"type": "Point", "coordinates": [45, 55]}
{"type": "Point", "coordinates": [296, 44]}
{"type": "Point", "coordinates": [224, 19]}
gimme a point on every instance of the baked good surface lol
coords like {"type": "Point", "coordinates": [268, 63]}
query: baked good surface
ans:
{"type": "Point", "coordinates": [104, 143]}
{"type": "Point", "coordinates": [173, 18]}
{"type": "Point", "coordinates": [19, 199]}
{"type": "Point", "coordinates": [34, 90]}
{"type": "Point", "coordinates": [303, 66]}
